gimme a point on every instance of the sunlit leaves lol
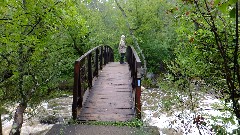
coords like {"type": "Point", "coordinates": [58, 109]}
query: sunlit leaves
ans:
{"type": "Point", "coordinates": [223, 7]}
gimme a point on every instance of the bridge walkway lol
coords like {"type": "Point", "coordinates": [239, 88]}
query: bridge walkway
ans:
{"type": "Point", "coordinates": [110, 98]}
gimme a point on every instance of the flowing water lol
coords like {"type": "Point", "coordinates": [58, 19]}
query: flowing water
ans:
{"type": "Point", "coordinates": [184, 120]}
{"type": "Point", "coordinates": [57, 110]}
{"type": "Point", "coordinates": [178, 121]}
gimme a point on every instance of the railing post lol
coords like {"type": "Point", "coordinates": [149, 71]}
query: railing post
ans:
{"type": "Point", "coordinates": [80, 92]}
{"type": "Point", "coordinates": [96, 63]}
{"type": "Point", "coordinates": [89, 70]}
{"type": "Point", "coordinates": [76, 89]}
{"type": "Point", "coordinates": [80, 73]}
{"type": "Point", "coordinates": [101, 58]}
{"type": "Point", "coordinates": [135, 67]}
{"type": "Point", "coordinates": [132, 64]}
{"type": "Point", "coordinates": [111, 56]}
{"type": "Point", "coordinates": [105, 55]}
{"type": "Point", "coordinates": [108, 59]}
{"type": "Point", "coordinates": [138, 91]}
{"type": "Point", "coordinates": [129, 56]}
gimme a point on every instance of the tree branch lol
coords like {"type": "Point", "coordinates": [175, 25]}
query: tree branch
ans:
{"type": "Point", "coordinates": [195, 21]}
{"type": "Point", "coordinates": [5, 19]}
{"type": "Point", "coordinates": [131, 33]}
{"type": "Point", "coordinates": [34, 26]}
{"type": "Point", "coordinates": [197, 5]}
{"type": "Point", "coordinates": [39, 19]}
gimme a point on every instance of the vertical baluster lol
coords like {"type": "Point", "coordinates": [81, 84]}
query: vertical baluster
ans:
{"type": "Point", "coordinates": [112, 56]}
{"type": "Point", "coordinates": [96, 62]}
{"type": "Point", "coordinates": [80, 92]}
{"type": "Point", "coordinates": [101, 58]}
{"type": "Point", "coordinates": [105, 55]}
{"type": "Point", "coordinates": [108, 56]}
{"type": "Point", "coordinates": [89, 70]}
{"type": "Point", "coordinates": [132, 63]}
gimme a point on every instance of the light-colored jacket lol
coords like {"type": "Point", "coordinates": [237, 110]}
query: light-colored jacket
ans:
{"type": "Point", "coordinates": [122, 45]}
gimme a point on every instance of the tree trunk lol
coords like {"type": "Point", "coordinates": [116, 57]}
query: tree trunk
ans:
{"type": "Point", "coordinates": [18, 116]}
{"type": "Point", "coordinates": [1, 124]}
{"type": "Point", "coordinates": [18, 119]}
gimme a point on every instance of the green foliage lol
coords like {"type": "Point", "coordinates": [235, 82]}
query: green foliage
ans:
{"type": "Point", "coordinates": [205, 52]}
{"type": "Point", "coordinates": [146, 83]}
{"type": "Point", "coordinates": [105, 23]}
{"type": "Point", "coordinates": [219, 130]}
{"type": "Point", "coordinates": [41, 39]}
{"type": "Point", "coordinates": [132, 123]}
{"type": "Point", "coordinates": [37, 49]}
{"type": "Point", "coordinates": [154, 29]}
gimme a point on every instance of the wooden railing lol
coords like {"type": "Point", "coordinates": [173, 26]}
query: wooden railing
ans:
{"type": "Point", "coordinates": [135, 68]}
{"type": "Point", "coordinates": [85, 69]}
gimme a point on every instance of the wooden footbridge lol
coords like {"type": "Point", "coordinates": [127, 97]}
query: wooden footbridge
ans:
{"type": "Point", "coordinates": [105, 90]}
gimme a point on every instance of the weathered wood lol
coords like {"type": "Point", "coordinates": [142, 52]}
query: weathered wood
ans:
{"type": "Point", "coordinates": [96, 63]}
{"type": "Point", "coordinates": [101, 58]}
{"type": "Point", "coordinates": [135, 67]}
{"type": "Point", "coordinates": [138, 103]}
{"type": "Point", "coordinates": [116, 95]}
{"type": "Point", "coordinates": [89, 70]}
{"type": "Point", "coordinates": [110, 98]}
{"type": "Point", "coordinates": [85, 69]}
{"type": "Point", "coordinates": [76, 89]}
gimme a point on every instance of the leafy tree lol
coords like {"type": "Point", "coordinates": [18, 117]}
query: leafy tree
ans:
{"type": "Point", "coordinates": [153, 28]}
{"type": "Point", "coordinates": [208, 48]}
{"type": "Point", "coordinates": [105, 23]}
{"type": "Point", "coordinates": [36, 50]}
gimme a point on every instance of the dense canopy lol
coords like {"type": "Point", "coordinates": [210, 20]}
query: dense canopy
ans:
{"type": "Point", "coordinates": [184, 42]}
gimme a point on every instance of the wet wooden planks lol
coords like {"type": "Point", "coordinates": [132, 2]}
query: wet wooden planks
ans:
{"type": "Point", "coordinates": [110, 98]}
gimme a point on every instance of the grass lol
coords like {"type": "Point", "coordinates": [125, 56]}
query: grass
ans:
{"type": "Point", "coordinates": [132, 123]}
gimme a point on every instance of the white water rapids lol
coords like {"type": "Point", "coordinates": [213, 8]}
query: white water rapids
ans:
{"type": "Point", "coordinates": [178, 122]}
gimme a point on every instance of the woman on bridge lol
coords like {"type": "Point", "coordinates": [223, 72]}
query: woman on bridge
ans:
{"type": "Point", "coordinates": [122, 49]}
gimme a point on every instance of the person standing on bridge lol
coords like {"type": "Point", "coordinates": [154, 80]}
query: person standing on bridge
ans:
{"type": "Point", "coordinates": [122, 49]}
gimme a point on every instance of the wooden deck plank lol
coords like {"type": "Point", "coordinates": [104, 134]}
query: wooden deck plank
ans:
{"type": "Point", "coordinates": [110, 98]}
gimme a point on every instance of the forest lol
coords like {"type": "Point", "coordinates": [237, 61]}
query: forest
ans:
{"type": "Point", "coordinates": [191, 47]}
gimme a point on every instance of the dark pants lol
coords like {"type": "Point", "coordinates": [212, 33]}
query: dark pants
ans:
{"type": "Point", "coordinates": [122, 58]}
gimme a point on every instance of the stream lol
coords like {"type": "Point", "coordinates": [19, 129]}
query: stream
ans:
{"type": "Point", "coordinates": [182, 120]}
{"type": "Point", "coordinates": [179, 121]}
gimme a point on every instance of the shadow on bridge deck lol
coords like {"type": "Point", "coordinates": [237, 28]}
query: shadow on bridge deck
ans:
{"type": "Point", "coordinates": [110, 98]}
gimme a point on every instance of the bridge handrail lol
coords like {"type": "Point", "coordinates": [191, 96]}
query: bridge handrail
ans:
{"type": "Point", "coordinates": [135, 68]}
{"type": "Point", "coordinates": [91, 61]}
